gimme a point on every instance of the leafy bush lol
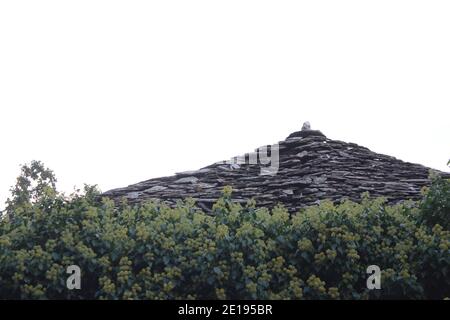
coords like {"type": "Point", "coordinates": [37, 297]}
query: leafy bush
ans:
{"type": "Point", "coordinates": [152, 251]}
{"type": "Point", "coordinates": [34, 184]}
{"type": "Point", "coordinates": [435, 206]}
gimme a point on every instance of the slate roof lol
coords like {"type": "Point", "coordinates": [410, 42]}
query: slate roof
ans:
{"type": "Point", "coordinates": [311, 168]}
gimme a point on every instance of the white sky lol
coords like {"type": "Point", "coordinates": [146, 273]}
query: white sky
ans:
{"type": "Point", "coordinates": [116, 92]}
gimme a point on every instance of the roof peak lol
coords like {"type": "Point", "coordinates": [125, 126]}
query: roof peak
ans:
{"type": "Point", "coordinates": [307, 170]}
{"type": "Point", "coordinates": [306, 126]}
{"type": "Point", "coordinates": [306, 131]}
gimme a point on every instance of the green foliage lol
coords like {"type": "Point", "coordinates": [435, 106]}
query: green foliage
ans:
{"type": "Point", "coordinates": [35, 183]}
{"type": "Point", "coordinates": [435, 206]}
{"type": "Point", "coordinates": [152, 251]}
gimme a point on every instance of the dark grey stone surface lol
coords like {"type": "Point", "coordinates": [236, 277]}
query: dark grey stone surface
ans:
{"type": "Point", "coordinates": [311, 168]}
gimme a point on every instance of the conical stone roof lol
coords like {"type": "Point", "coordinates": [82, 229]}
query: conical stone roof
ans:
{"type": "Point", "coordinates": [309, 168]}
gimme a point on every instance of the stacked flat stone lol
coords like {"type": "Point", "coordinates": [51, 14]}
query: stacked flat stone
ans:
{"type": "Point", "coordinates": [311, 168]}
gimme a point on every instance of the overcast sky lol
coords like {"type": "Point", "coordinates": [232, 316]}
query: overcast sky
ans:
{"type": "Point", "coordinates": [116, 92]}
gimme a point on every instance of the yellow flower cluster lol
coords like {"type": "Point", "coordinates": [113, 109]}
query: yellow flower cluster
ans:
{"type": "Point", "coordinates": [444, 244]}
{"type": "Point", "coordinates": [352, 254]}
{"type": "Point", "coordinates": [248, 230]}
{"type": "Point", "coordinates": [250, 271]}
{"type": "Point", "coordinates": [315, 283]}
{"type": "Point", "coordinates": [67, 261]}
{"type": "Point", "coordinates": [227, 191]}
{"type": "Point", "coordinates": [107, 286]}
{"type": "Point", "coordinates": [305, 245]}
{"type": "Point", "coordinates": [124, 270]}
{"type": "Point", "coordinates": [238, 257]}
{"type": "Point", "coordinates": [17, 277]}
{"type": "Point", "coordinates": [50, 245]}
{"type": "Point", "coordinates": [296, 289]}
{"type": "Point", "coordinates": [251, 203]}
{"type": "Point", "coordinates": [67, 238]}
{"type": "Point", "coordinates": [251, 287]}
{"type": "Point", "coordinates": [333, 292]}
{"type": "Point", "coordinates": [168, 287]}
{"type": "Point", "coordinates": [38, 252]}
{"type": "Point", "coordinates": [388, 273]}
{"type": "Point", "coordinates": [220, 294]}
{"type": "Point", "coordinates": [105, 263]}
{"type": "Point", "coordinates": [437, 229]}
{"type": "Point", "coordinates": [222, 231]}
{"type": "Point", "coordinates": [279, 215]}
{"type": "Point", "coordinates": [405, 274]}
{"type": "Point", "coordinates": [277, 264]}
{"type": "Point", "coordinates": [85, 251]}
{"type": "Point", "coordinates": [319, 258]}
{"type": "Point", "coordinates": [264, 276]}
{"type": "Point", "coordinates": [54, 273]}
{"type": "Point", "coordinates": [322, 238]}
{"type": "Point", "coordinates": [4, 241]}
{"type": "Point", "coordinates": [347, 277]}
{"type": "Point", "coordinates": [33, 292]}
{"type": "Point", "coordinates": [422, 235]}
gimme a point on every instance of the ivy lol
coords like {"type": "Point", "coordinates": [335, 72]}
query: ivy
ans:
{"type": "Point", "coordinates": [151, 251]}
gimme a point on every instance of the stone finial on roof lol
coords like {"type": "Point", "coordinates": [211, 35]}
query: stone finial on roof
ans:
{"type": "Point", "coordinates": [306, 126]}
